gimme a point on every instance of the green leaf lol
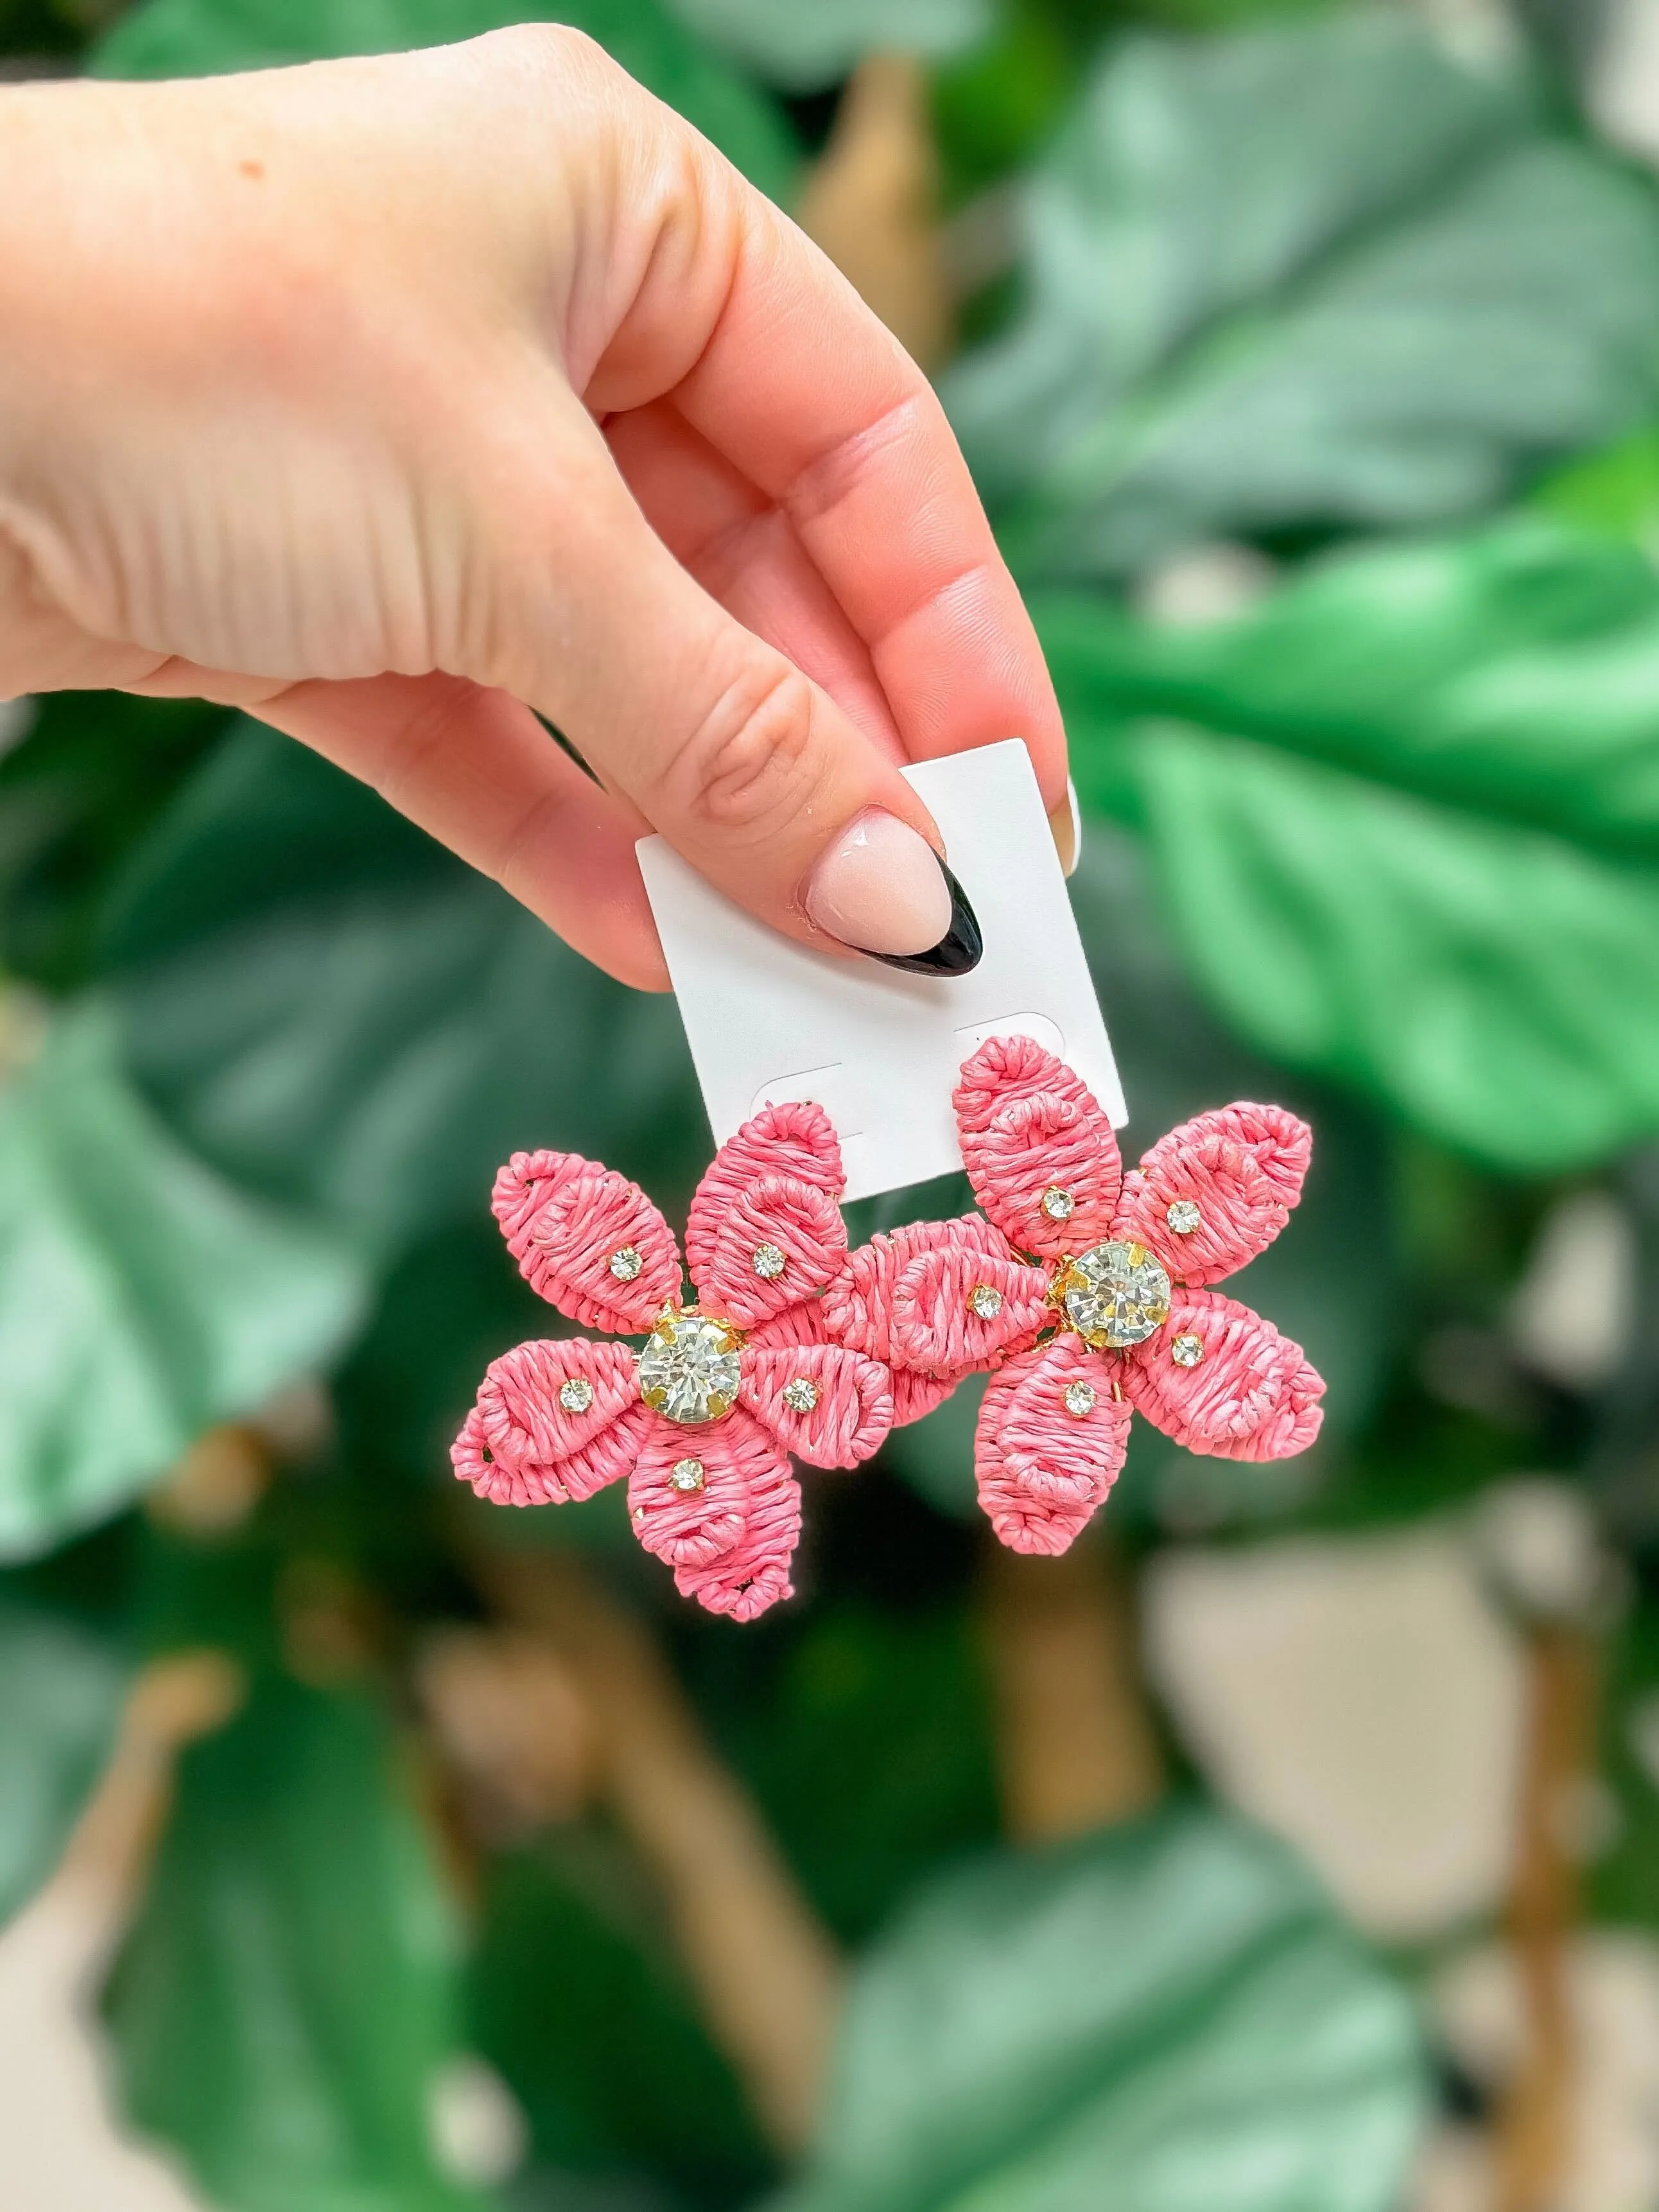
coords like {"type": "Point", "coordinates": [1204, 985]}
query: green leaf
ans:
{"type": "Point", "coordinates": [288, 1993]}
{"type": "Point", "coordinates": [803, 48]}
{"type": "Point", "coordinates": [336, 1011]}
{"type": "Point", "coordinates": [141, 1298]}
{"type": "Point", "coordinates": [63, 1697]}
{"type": "Point", "coordinates": [1166, 2018]}
{"type": "Point", "coordinates": [1406, 827]}
{"type": "Point", "coordinates": [206, 38]}
{"type": "Point", "coordinates": [578, 2000]}
{"type": "Point", "coordinates": [1304, 276]}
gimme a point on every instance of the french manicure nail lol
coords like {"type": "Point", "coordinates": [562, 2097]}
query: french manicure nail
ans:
{"type": "Point", "coordinates": [882, 889]}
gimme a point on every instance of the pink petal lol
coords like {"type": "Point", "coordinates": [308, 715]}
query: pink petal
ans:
{"type": "Point", "coordinates": [934, 1324]}
{"type": "Point", "coordinates": [520, 1446]}
{"type": "Point", "coordinates": [914, 1395]}
{"type": "Point", "coordinates": [853, 1409]}
{"type": "Point", "coordinates": [857, 1309]}
{"type": "Point", "coordinates": [797, 1324]}
{"type": "Point", "coordinates": [1241, 1165]}
{"type": "Point", "coordinates": [1028, 1125]}
{"type": "Point", "coordinates": [1252, 1394]}
{"type": "Point", "coordinates": [777, 1182]}
{"type": "Point", "coordinates": [1045, 1471]}
{"type": "Point", "coordinates": [731, 1542]}
{"type": "Point", "coordinates": [564, 1219]}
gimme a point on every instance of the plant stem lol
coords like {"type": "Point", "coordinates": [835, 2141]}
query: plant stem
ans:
{"type": "Point", "coordinates": [1533, 2133]}
{"type": "Point", "coordinates": [768, 1974]}
{"type": "Point", "coordinates": [1075, 1745]}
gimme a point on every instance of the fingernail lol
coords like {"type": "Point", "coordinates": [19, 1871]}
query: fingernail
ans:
{"type": "Point", "coordinates": [882, 889]}
{"type": "Point", "coordinates": [1066, 826]}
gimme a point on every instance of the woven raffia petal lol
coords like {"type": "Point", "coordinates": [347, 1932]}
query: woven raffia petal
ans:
{"type": "Point", "coordinates": [731, 1542]}
{"type": "Point", "coordinates": [1043, 1470]}
{"type": "Point", "coordinates": [1252, 1396]}
{"type": "Point", "coordinates": [777, 1182]}
{"type": "Point", "coordinates": [1028, 1125]}
{"type": "Point", "coordinates": [563, 1219]}
{"type": "Point", "coordinates": [854, 1401]}
{"type": "Point", "coordinates": [1241, 1165]}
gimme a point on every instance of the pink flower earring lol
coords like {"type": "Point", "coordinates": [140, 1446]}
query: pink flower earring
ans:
{"type": "Point", "coordinates": [703, 1419]}
{"type": "Point", "coordinates": [1087, 1291]}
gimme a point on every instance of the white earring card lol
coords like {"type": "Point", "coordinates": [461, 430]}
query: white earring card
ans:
{"type": "Point", "coordinates": [768, 1019]}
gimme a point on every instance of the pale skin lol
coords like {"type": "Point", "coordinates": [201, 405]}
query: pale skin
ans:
{"type": "Point", "coordinates": [392, 399]}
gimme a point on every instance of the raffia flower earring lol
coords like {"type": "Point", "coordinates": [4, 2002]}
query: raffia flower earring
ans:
{"type": "Point", "coordinates": [1087, 1291]}
{"type": "Point", "coordinates": [703, 1419]}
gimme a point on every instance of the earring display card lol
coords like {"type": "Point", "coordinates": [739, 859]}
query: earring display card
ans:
{"type": "Point", "coordinates": [769, 1020]}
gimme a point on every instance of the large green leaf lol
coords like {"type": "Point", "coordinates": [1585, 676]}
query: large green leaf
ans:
{"type": "Point", "coordinates": [803, 47]}
{"type": "Point", "coordinates": [288, 1993]}
{"type": "Point", "coordinates": [1306, 275]}
{"type": "Point", "coordinates": [205, 38]}
{"type": "Point", "coordinates": [579, 2000]}
{"type": "Point", "coordinates": [335, 1010]}
{"type": "Point", "coordinates": [1406, 826]}
{"type": "Point", "coordinates": [58, 1717]}
{"type": "Point", "coordinates": [1166, 2018]}
{"type": "Point", "coordinates": [141, 1298]}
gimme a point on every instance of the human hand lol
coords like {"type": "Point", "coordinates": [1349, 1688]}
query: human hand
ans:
{"type": "Point", "coordinates": [392, 399]}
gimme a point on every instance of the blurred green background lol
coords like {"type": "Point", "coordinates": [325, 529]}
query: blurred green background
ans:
{"type": "Point", "coordinates": [1293, 1846]}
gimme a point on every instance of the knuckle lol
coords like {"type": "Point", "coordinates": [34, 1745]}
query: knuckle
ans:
{"type": "Point", "coordinates": [750, 763]}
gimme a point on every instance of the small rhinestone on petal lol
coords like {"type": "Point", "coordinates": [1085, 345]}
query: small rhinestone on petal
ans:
{"type": "Point", "coordinates": [1182, 1216]}
{"type": "Point", "coordinates": [1059, 1205]}
{"type": "Point", "coordinates": [1079, 1398]}
{"type": "Point", "coordinates": [577, 1394]}
{"type": "Point", "coordinates": [1186, 1350]}
{"type": "Point", "coordinates": [769, 1261]}
{"type": "Point", "coordinates": [625, 1263]}
{"type": "Point", "coordinates": [801, 1395]}
{"type": "Point", "coordinates": [686, 1475]}
{"type": "Point", "coordinates": [985, 1301]}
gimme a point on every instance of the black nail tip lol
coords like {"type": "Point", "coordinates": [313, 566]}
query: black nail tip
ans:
{"type": "Point", "coordinates": [958, 952]}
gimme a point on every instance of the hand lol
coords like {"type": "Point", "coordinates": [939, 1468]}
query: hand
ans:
{"type": "Point", "coordinates": [392, 399]}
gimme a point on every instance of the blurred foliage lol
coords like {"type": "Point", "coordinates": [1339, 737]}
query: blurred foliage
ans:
{"type": "Point", "coordinates": [1417, 789]}
{"type": "Point", "coordinates": [1283, 274]}
{"type": "Point", "coordinates": [141, 1298]}
{"type": "Point", "coordinates": [1165, 2014]}
{"type": "Point", "coordinates": [1377, 312]}
{"type": "Point", "coordinates": [63, 1693]}
{"type": "Point", "coordinates": [289, 1991]}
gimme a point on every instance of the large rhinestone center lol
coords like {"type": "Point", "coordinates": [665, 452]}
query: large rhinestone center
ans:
{"type": "Point", "coordinates": [689, 1369]}
{"type": "Point", "coordinates": [1115, 1295]}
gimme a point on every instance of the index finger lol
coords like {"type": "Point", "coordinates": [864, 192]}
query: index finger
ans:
{"type": "Point", "coordinates": [801, 388]}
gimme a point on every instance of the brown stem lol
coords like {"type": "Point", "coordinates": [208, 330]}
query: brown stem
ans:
{"type": "Point", "coordinates": [871, 204]}
{"type": "Point", "coordinates": [768, 1974]}
{"type": "Point", "coordinates": [1075, 1743]}
{"type": "Point", "coordinates": [1533, 2127]}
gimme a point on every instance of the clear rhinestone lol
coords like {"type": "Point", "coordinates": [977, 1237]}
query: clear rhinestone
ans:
{"type": "Point", "coordinates": [801, 1395]}
{"type": "Point", "coordinates": [625, 1263]}
{"type": "Point", "coordinates": [577, 1394]}
{"type": "Point", "coordinates": [985, 1300]}
{"type": "Point", "coordinates": [686, 1475]}
{"type": "Point", "coordinates": [1059, 1205]}
{"type": "Point", "coordinates": [1079, 1398]}
{"type": "Point", "coordinates": [689, 1367]}
{"type": "Point", "coordinates": [1182, 1216]}
{"type": "Point", "coordinates": [639, 1512]}
{"type": "Point", "coordinates": [1186, 1350]}
{"type": "Point", "coordinates": [1115, 1295]}
{"type": "Point", "coordinates": [769, 1262]}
